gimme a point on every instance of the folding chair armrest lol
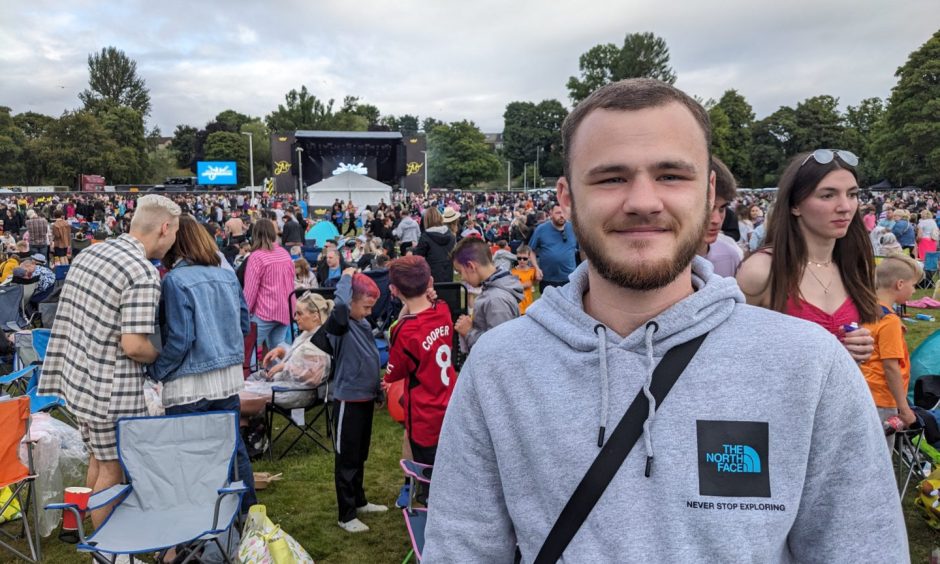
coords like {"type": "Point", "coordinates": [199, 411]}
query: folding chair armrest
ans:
{"type": "Point", "coordinates": [105, 497]}
{"type": "Point", "coordinates": [18, 375]}
{"type": "Point", "coordinates": [235, 488]}
{"type": "Point", "coordinates": [282, 389]}
{"type": "Point", "coordinates": [78, 516]}
{"type": "Point", "coordinates": [416, 470]}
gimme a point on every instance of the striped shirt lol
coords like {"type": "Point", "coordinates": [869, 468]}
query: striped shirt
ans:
{"type": "Point", "coordinates": [111, 289]}
{"type": "Point", "coordinates": [269, 282]}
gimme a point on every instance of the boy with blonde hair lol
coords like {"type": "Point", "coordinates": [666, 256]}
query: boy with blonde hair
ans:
{"type": "Point", "coordinates": [888, 371]}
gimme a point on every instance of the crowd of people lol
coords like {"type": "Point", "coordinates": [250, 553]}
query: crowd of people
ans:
{"type": "Point", "coordinates": [646, 246]}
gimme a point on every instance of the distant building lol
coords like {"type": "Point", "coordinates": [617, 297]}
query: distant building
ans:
{"type": "Point", "coordinates": [494, 141]}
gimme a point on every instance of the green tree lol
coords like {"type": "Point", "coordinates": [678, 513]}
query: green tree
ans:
{"type": "Point", "coordinates": [859, 136]}
{"type": "Point", "coordinates": [232, 120]}
{"type": "Point", "coordinates": [908, 139]}
{"type": "Point", "coordinates": [534, 129]}
{"type": "Point", "coordinates": [300, 110]}
{"type": "Point", "coordinates": [736, 150]}
{"type": "Point", "coordinates": [12, 139]}
{"type": "Point", "coordinates": [34, 126]}
{"type": "Point", "coordinates": [771, 143]}
{"type": "Point", "coordinates": [228, 146]}
{"type": "Point", "coordinates": [642, 55]}
{"type": "Point", "coordinates": [428, 124]}
{"type": "Point", "coordinates": [113, 78]}
{"type": "Point", "coordinates": [408, 125]}
{"type": "Point", "coordinates": [818, 124]}
{"type": "Point", "coordinates": [183, 145]}
{"type": "Point", "coordinates": [126, 127]}
{"type": "Point", "coordinates": [458, 156]}
{"type": "Point", "coordinates": [76, 144]}
{"type": "Point", "coordinates": [721, 132]}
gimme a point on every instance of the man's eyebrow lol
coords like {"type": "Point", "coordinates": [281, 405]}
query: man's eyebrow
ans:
{"type": "Point", "coordinates": [676, 165]}
{"type": "Point", "coordinates": [624, 169]}
{"type": "Point", "coordinates": [608, 168]}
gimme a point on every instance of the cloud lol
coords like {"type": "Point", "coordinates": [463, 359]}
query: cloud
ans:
{"type": "Point", "coordinates": [446, 59]}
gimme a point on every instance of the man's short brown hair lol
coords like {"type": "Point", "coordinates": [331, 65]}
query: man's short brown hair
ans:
{"type": "Point", "coordinates": [630, 95]}
{"type": "Point", "coordinates": [726, 187]}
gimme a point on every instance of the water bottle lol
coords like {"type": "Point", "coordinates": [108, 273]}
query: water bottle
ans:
{"type": "Point", "coordinates": [892, 425]}
{"type": "Point", "coordinates": [924, 317]}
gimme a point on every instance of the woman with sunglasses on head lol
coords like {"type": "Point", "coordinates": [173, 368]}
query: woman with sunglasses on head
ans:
{"type": "Point", "coordinates": [816, 262]}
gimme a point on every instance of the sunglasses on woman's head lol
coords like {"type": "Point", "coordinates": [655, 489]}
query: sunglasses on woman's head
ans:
{"type": "Point", "coordinates": [825, 156]}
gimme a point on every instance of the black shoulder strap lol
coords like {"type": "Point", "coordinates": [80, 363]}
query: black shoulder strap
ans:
{"type": "Point", "coordinates": [615, 451]}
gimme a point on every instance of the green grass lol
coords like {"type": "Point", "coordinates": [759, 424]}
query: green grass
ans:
{"type": "Point", "coordinates": [304, 502]}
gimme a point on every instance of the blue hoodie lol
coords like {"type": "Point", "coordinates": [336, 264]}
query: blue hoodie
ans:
{"type": "Point", "coordinates": [767, 449]}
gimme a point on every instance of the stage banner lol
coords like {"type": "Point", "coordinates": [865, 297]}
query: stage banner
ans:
{"type": "Point", "coordinates": [414, 164]}
{"type": "Point", "coordinates": [282, 163]}
{"type": "Point", "coordinates": [216, 172]}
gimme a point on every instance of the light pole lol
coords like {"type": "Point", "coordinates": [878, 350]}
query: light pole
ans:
{"type": "Point", "coordinates": [508, 175]}
{"type": "Point", "coordinates": [535, 176]}
{"type": "Point", "coordinates": [300, 172]}
{"type": "Point", "coordinates": [251, 163]}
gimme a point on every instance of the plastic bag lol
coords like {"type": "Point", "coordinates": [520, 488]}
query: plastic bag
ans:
{"type": "Point", "coordinates": [263, 542]}
{"type": "Point", "coordinates": [60, 459]}
{"type": "Point", "coordinates": [153, 393]}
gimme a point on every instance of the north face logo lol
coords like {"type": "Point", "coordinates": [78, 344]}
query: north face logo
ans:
{"type": "Point", "coordinates": [735, 458]}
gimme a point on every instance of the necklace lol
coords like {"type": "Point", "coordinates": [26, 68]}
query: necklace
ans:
{"type": "Point", "coordinates": [825, 287]}
{"type": "Point", "coordinates": [819, 264]}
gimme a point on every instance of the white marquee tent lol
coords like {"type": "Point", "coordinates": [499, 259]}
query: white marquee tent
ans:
{"type": "Point", "coordinates": [346, 186]}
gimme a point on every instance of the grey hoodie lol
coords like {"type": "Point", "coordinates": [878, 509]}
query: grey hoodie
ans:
{"type": "Point", "coordinates": [768, 448]}
{"type": "Point", "coordinates": [496, 304]}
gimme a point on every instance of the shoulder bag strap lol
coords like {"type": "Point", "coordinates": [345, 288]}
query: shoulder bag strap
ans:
{"type": "Point", "coordinates": [615, 451]}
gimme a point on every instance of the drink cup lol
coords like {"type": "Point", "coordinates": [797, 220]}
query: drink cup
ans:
{"type": "Point", "coordinates": [79, 496]}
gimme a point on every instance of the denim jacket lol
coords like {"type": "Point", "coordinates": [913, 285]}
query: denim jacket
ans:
{"type": "Point", "coordinates": [203, 321]}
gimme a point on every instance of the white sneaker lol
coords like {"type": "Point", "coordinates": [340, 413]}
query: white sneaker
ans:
{"type": "Point", "coordinates": [354, 526]}
{"type": "Point", "coordinates": [372, 508]}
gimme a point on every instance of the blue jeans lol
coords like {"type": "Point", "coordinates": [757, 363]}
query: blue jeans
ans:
{"type": "Point", "coordinates": [230, 403]}
{"type": "Point", "coordinates": [272, 332]}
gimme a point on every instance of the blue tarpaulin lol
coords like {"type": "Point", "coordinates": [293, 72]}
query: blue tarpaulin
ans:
{"type": "Point", "coordinates": [925, 360]}
{"type": "Point", "coordinates": [322, 231]}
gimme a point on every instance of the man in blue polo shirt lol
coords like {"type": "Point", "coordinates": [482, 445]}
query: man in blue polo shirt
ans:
{"type": "Point", "coordinates": [554, 246]}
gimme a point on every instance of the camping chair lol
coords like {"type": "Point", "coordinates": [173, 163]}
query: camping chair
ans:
{"type": "Point", "coordinates": [910, 461]}
{"type": "Point", "coordinates": [14, 420]}
{"type": "Point", "coordinates": [416, 518]}
{"type": "Point", "coordinates": [30, 352]}
{"type": "Point", "coordinates": [12, 314]}
{"type": "Point", "coordinates": [178, 490]}
{"type": "Point", "coordinates": [931, 261]}
{"type": "Point", "coordinates": [303, 418]}
{"type": "Point", "coordinates": [61, 271]}
{"type": "Point", "coordinates": [457, 298]}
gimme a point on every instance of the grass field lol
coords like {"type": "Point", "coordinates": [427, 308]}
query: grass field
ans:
{"type": "Point", "coordinates": [304, 503]}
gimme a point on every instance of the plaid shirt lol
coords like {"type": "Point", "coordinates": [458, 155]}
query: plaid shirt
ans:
{"type": "Point", "coordinates": [111, 289]}
{"type": "Point", "coordinates": [38, 231]}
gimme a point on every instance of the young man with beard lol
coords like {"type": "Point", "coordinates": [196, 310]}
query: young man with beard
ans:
{"type": "Point", "coordinates": [733, 465]}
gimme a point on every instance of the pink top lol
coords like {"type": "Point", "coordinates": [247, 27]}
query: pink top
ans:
{"type": "Point", "coordinates": [269, 282]}
{"type": "Point", "coordinates": [846, 314]}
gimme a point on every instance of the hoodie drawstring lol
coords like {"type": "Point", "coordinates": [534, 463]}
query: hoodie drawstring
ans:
{"type": "Point", "coordinates": [601, 333]}
{"type": "Point", "coordinates": [651, 328]}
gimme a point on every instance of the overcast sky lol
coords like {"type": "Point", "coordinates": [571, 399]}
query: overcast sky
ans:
{"type": "Point", "coordinates": [447, 59]}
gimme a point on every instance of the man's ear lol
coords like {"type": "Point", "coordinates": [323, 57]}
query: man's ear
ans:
{"type": "Point", "coordinates": [565, 199]}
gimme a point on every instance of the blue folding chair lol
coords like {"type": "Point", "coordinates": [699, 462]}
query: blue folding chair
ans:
{"type": "Point", "coordinates": [416, 518]}
{"type": "Point", "coordinates": [178, 491]}
{"type": "Point", "coordinates": [25, 381]}
{"type": "Point", "coordinates": [931, 261]}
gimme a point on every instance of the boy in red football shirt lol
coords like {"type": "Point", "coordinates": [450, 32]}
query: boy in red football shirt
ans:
{"type": "Point", "coordinates": [420, 349]}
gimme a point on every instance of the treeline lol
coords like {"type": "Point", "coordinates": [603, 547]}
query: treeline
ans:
{"type": "Point", "coordinates": [896, 139]}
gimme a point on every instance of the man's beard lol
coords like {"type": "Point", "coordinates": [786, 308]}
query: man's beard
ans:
{"type": "Point", "coordinates": [642, 275]}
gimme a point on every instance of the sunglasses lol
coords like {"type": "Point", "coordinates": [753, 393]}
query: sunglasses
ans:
{"type": "Point", "coordinates": [825, 156]}
{"type": "Point", "coordinates": [522, 258]}
{"type": "Point", "coordinates": [564, 236]}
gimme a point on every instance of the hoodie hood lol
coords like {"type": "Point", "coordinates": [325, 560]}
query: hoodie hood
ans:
{"type": "Point", "coordinates": [507, 282]}
{"type": "Point", "coordinates": [561, 313]}
{"type": "Point", "coordinates": [441, 235]}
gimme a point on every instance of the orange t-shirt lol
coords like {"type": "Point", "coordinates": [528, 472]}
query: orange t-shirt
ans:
{"type": "Point", "coordinates": [527, 275]}
{"type": "Point", "coordinates": [888, 333]}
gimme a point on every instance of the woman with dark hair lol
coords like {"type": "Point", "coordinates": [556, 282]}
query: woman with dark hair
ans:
{"type": "Point", "coordinates": [817, 262]}
{"type": "Point", "coordinates": [435, 245]}
{"type": "Point", "coordinates": [203, 323]}
{"type": "Point", "coordinates": [269, 282]}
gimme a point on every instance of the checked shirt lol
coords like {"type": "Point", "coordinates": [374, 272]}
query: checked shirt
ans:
{"type": "Point", "coordinates": [111, 289]}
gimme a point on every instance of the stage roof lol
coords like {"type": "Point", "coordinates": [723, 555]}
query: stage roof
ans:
{"type": "Point", "coordinates": [375, 135]}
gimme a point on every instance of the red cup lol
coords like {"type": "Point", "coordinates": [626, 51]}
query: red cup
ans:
{"type": "Point", "coordinates": [78, 496]}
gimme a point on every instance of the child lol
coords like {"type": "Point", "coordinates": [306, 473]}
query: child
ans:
{"type": "Point", "coordinates": [500, 291]}
{"type": "Point", "coordinates": [355, 388]}
{"type": "Point", "coordinates": [888, 370]}
{"type": "Point", "coordinates": [243, 250]}
{"type": "Point", "coordinates": [526, 275]}
{"type": "Point", "coordinates": [303, 276]}
{"type": "Point", "coordinates": [421, 350]}
{"type": "Point", "coordinates": [503, 257]}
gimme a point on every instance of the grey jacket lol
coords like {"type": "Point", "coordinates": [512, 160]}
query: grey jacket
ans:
{"type": "Point", "coordinates": [355, 356]}
{"type": "Point", "coordinates": [496, 304]}
{"type": "Point", "coordinates": [749, 448]}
